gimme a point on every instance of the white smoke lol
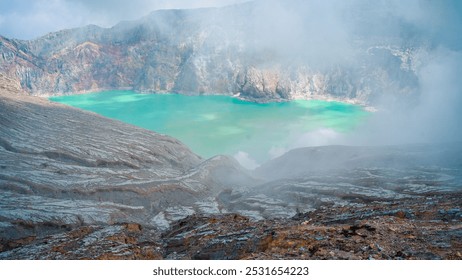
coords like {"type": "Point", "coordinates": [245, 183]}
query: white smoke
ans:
{"type": "Point", "coordinates": [245, 160]}
{"type": "Point", "coordinates": [25, 19]}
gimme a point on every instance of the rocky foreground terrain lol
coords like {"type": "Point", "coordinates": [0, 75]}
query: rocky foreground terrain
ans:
{"type": "Point", "coordinates": [75, 185]}
{"type": "Point", "coordinates": [420, 228]}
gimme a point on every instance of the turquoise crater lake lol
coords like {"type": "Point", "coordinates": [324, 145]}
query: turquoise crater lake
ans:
{"type": "Point", "coordinates": [216, 124]}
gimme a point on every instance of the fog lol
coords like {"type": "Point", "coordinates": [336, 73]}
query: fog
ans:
{"type": "Point", "coordinates": [332, 33]}
{"type": "Point", "coordinates": [25, 19]}
{"type": "Point", "coordinates": [307, 32]}
{"type": "Point", "coordinates": [435, 117]}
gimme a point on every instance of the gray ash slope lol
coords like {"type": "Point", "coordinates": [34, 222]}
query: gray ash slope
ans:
{"type": "Point", "coordinates": [61, 167]}
{"type": "Point", "coordinates": [342, 175]}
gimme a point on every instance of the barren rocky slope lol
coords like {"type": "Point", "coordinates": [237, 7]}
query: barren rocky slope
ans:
{"type": "Point", "coordinates": [76, 185]}
{"type": "Point", "coordinates": [61, 168]}
{"type": "Point", "coordinates": [424, 227]}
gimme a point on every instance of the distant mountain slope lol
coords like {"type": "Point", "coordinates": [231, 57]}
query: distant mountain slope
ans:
{"type": "Point", "coordinates": [330, 159]}
{"type": "Point", "coordinates": [230, 50]}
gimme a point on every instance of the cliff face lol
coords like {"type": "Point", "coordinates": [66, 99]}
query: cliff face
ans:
{"type": "Point", "coordinates": [201, 51]}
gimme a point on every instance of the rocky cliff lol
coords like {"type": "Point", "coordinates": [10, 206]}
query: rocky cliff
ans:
{"type": "Point", "coordinates": [216, 50]}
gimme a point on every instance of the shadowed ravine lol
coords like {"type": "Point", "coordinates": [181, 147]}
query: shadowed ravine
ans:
{"type": "Point", "coordinates": [75, 185]}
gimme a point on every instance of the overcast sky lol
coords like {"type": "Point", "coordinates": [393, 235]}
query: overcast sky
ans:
{"type": "Point", "coordinates": [28, 19]}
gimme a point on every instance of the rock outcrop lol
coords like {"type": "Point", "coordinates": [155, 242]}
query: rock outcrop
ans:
{"type": "Point", "coordinates": [10, 86]}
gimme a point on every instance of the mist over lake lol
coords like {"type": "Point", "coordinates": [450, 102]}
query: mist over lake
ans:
{"type": "Point", "coordinates": [212, 124]}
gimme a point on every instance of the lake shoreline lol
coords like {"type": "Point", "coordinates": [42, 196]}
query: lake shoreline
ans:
{"type": "Point", "coordinates": [244, 128]}
{"type": "Point", "coordinates": [328, 98]}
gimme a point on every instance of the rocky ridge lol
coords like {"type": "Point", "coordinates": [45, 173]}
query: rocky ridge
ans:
{"type": "Point", "coordinates": [204, 51]}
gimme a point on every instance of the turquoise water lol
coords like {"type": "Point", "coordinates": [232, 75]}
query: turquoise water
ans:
{"type": "Point", "coordinates": [212, 125]}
